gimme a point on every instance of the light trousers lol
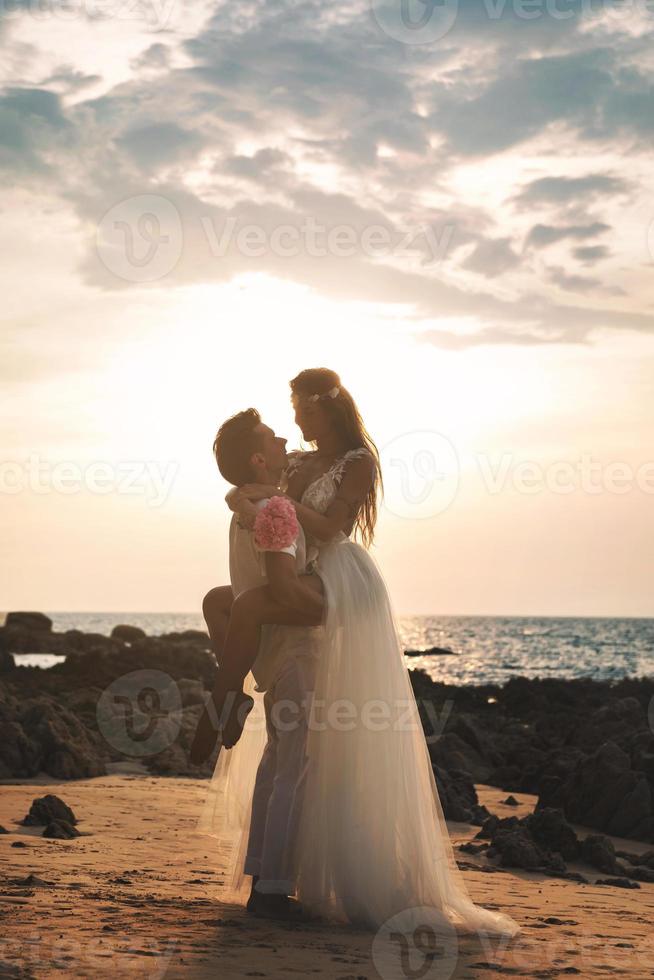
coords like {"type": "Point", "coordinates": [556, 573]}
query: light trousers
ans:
{"type": "Point", "coordinates": [281, 776]}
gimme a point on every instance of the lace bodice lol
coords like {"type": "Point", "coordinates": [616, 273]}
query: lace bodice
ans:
{"type": "Point", "coordinates": [320, 492]}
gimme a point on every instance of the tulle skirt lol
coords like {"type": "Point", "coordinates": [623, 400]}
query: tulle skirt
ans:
{"type": "Point", "coordinates": [373, 844]}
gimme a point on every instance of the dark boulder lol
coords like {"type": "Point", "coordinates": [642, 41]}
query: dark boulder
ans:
{"type": "Point", "coordinates": [46, 809]}
{"type": "Point", "coordinates": [431, 652]}
{"type": "Point", "coordinates": [33, 621]}
{"type": "Point", "coordinates": [598, 851]}
{"type": "Point", "coordinates": [450, 751]}
{"type": "Point", "coordinates": [7, 662]}
{"type": "Point", "coordinates": [551, 831]}
{"type": "Point", "coordinates": [197, 637]}
{"type": "Point", "coordinates": [67, 749]}
{"type": "Point", "coordinates": [605, 793]}
{"type": "Point", "coordinates": [127, 634]}
{"type": "Point", "coordinates": [457, 794]}
{"type": "Point", "coordinates": [61, 830]}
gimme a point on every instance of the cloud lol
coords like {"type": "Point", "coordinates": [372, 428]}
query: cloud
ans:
{"type": "Point", "coordinates": [157, 144]}
{"type": "Point", "coordinates": [492, 257]}
{"type": "Point", "coordinates": [569, 190]}
{"type": "Point", "coordinates": [590, 254]}
{"type": "Point", "coordinates": [30, 120]}
{"type": "Point", "coordinates": [541, 236]}
{"type": "Point", "coordinates": [282, 114]}
{"type": "Point", "coordinates": [580, 284]}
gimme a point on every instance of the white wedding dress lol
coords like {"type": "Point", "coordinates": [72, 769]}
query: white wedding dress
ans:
{"type": "Point", "coordinates": [373, 843]}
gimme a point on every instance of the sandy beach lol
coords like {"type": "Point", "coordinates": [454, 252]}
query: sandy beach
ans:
{"type": "Point", "coordinates": [138, 894]}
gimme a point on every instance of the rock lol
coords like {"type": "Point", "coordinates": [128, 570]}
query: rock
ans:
{"type": "Point", "coordinates": [189, 636]}
{"type": "Point", "coordinates": [3, 830]}
{"type": "Point", "coordinates": [479, 815]}
{"type": "Point", "coordinates": [618, 882]}
{"type": "Point", "coordinates": [537, 842]}
{"type": "Point", "coordinates": [45, 809]}
{"type": "Point", "coordinates": [7, 662]}
{"type": "Point", "coordinates": [604, 792]}
{"type": "Point", "coordinates": [457, 793]}
{"type": "Point", "coordinates": [637, 873]}
{"type": "Point", "coordinates": [450, 751]}
{"type": "Point", "coordinates": [598, 851]}
{"type": "Point", "coordinates": [66, 748]}
{"type": "Point", "coordinates": [510, 801]}
{"type": "Point", "coordinates": [551, 831]}
{"type": "Point", "coordinates": [472, 848]}
{"type": "Point", "coordinates": [61, 830]}
{"type": "Point", "coordinates": [19, 755]}
{"type": "Point", "coordinates": [19, 843]}
{"type": "Point", "coordinates": [493, 824]}
{"type": "Point", "coordinates": [127, 634]}
{"type": "Point", "coordinates": [32, 881]}
{"type": "Point", "coordinates": [34, 621]}
{"type": "Point", "coordinates": [517, 849]}
{"type": "Point", "coordinates": [431, 652]}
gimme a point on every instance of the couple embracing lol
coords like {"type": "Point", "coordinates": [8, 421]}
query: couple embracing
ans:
{"type": "Point", "coordinates": [330, 807]}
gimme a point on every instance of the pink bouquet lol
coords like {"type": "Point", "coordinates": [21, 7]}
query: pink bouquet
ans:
{"type": "Point", "coordinates": [276, 526]}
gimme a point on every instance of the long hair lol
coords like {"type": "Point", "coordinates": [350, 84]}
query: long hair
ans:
{"type": "Point", "coordinates": [348, 424]}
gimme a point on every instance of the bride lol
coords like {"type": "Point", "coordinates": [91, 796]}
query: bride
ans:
{"type": "Point", "coordinates": [372, 842]}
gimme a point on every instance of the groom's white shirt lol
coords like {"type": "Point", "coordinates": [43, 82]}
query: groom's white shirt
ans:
{"type": "Point", "coordinates": [247, 570]}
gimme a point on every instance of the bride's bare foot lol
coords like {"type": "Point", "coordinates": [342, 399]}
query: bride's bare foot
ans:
{"type": "Point", "coordinates": [233, 728]}
{"type": "Point", "coordinates": [223, 719]}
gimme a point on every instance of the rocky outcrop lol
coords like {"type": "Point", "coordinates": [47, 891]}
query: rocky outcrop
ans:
{"type": "Point", "coordinates": [604, 791]}
{"type": "Point", "coordinates": [49, 718]}
{"type": "Point", "coordinates": [34, 621]}
{"type": "Point", "coordinates": [583, 746]}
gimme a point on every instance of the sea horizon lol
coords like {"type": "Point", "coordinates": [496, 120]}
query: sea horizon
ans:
{"type": "Point", "coordinates": [453, 648]}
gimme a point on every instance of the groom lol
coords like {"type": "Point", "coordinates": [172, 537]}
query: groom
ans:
{"type": "Point", "coordinates": [248, 451]}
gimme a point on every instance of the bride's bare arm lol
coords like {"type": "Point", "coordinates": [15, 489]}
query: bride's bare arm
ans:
{"type": "Point", "coordinates": [339, 516]}
{"type": "Point", "coordinates": [341, 513]}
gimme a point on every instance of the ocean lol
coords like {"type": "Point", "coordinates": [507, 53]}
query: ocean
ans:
{"type": "Point", "coordinates": [487, 649]}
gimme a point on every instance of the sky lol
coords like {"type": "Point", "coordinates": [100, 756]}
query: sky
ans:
{"type": "Point", "coordinates": [450, 204]}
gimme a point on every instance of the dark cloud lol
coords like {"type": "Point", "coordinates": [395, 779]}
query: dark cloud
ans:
{"type": "Point", "coordinates": [590, 254]}
{"type": "Point", "coordinates": [541, 236]}
{"type": "Point", "coordinates": [572, 283]}
{"type": "Point", "coordinates": [569, 190]}
{"type": "Point", "coordinates": [492, 257]}
{"type": "Point", "coordinates": [156, 144]}
{"type": "Point", "coordinates": [31, 121]}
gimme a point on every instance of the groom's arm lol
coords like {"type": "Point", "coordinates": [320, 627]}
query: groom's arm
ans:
{"type": "Point", "coordinates": [298, 592]}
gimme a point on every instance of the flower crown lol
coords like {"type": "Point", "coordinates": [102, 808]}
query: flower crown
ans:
{"type": "Point", "coordinates": [332, 393]}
